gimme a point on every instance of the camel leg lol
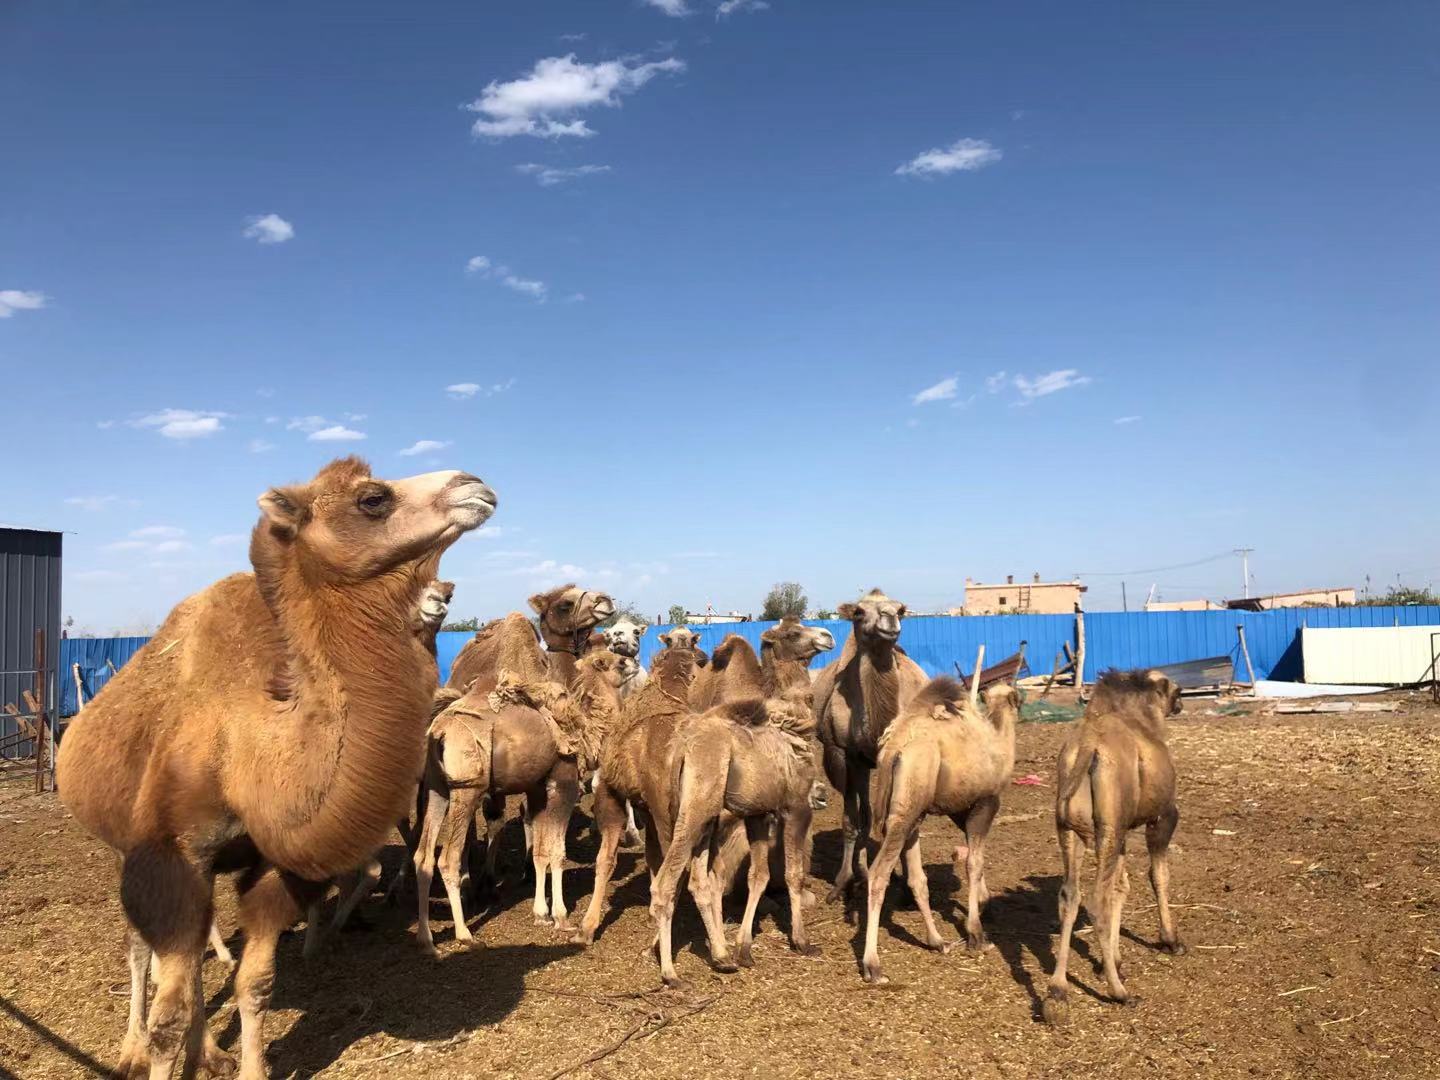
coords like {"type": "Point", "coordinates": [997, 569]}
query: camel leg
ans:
{"type": "Point", "coordinates": [862, 822]}
{"type": "Point", "coordinates": [632, 831]}
{"type": "Point", "coordinates": [365, 883]}
{"type": "Point", "coordinates": [920, 890]}
{"type": "Point", "coordinates": [134, 1051]}
{"type": "Point", "coordinates": [705, 890]}
{"type": "Point", "coordinates": [850, 827]}
{"type": "Point", "coordinates": [437, 806]}
{"type": "Point", "coordinates": [494, 808]}
{"type": "Point", "coordinates": [463, 803]}
{"type": "Point", "coordinates": [1057, 1004]}
{"type": "Point", "coordinates": [218, 946]}
{"type": "Point", "coordinates": [977, 829]}
{"type": "Point", "coordinates": [897, 832]}
{"type": "Point", "coordinates": [314, 936]}
{"type": "Point", "coordinates": [609, 813]}
{"type": "Point", "coordinates": [795, 836]}
{"type": "Point", "coordinates": [1111, 885]}
{"type": "Point", "coordinates": [270, 902]}
{"type": "Point", "coordinates": [663, 886]}
{"type": "Point", "coordinates": [757, 831]}
{"type": "Point", "coordinates": [1157, 841]}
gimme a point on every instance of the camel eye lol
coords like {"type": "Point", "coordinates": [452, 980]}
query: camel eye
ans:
{"type": "Point", "coordinates": [374, 503]}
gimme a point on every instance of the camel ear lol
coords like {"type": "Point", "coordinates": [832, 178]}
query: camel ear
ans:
{"type": "Point", "coordinates": [902, 612]}
{"type": "Point", "coordinates": [846, 612]}
{"type": "Point", "coordinates": [665, 640]}
{"type": "Point", "coordinates": [537, 603]}
{"type": "Point", "coordinates": [283, 509]}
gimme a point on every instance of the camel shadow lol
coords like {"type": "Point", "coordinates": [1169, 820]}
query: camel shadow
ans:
{"type": "Point", "coordinates": [390, 988]}
{"type": "Point", "coordinates": [1014, 920]}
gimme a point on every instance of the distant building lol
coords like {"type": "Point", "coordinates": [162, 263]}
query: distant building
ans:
{"type": "Point", "coordinates": [1034, 597]}
{"type": "Point", "coordinates": [1304, 598]}
{"type": "Point", "coordinates": [1184, 605]}
{"type": "Point", "coordinates": [710, 615]}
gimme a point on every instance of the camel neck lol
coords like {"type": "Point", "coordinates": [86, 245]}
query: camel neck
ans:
{"type": "Point", "coordinates": [781, 675]}
{"type": "Point", "coordinates": [880, 687]}
{"type": "Point", "coordinates": [359, 689]}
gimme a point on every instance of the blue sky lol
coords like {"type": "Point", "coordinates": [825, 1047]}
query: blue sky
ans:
{"type": "Point", "coordinates": [851, 294]}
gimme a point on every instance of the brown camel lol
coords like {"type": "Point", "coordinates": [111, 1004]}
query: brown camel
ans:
{"type": "Point", "coordinates": [1115, 774]}
{"type": "Point", "coordinates": [354, 887]}
{"type": "Point", "coordinates": [939, 757]}
{"type": "Point", "coordinates": [733, 674]}
{"type": "Point", "coordinates": [274, 725]}
{"type": "Point", "coordinates": [856, 698]}
{"type": "Point", "coordinates": [682, 637]}
{"type": "Point", "coordinates": [750, 758]}
{"type": "Point", "coordinates": [566, 616]}
{"type": "Point", "coordinates": [634, 770]}
{"type": "Point", "coordinates": [520, 738]}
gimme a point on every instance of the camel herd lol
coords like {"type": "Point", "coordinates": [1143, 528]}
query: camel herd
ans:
{"type": "Point", "coordinates": [282, 723]}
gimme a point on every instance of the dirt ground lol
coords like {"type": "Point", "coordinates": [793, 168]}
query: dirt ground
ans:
{"type": "Point", "coordinates": [1306, 873]}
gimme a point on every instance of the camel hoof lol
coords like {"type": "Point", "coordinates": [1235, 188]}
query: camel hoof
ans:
{"type": "Point", "coordinates": [875, 977]}
{"type": "Point", "coordinates": [134, 1064]}
{"type": "Point", "coordinates": [744, 957]}
{"type": "Point", "coordinates": [944, 948]}
{"type": "Point", "coordinates": [217, 1062]}
{"type": "Point", "coordinates": [673, 982]}
{"type": "Point", "coordinates": [581, 936]}
{"type": "Point", "coordinates": [543, 920]}
{"type": "Point", "coordinates": [1056, 1008]}
{"type": "Point", "coordinates": [428, 948]}
{"type": "Point", "coordinates": [806, 948]}
{"type": "Point", "coordinates": [1174, 948]}
{"type": "Point", "coordinates": [1129, 1001]}
{"type": "Point", "coordinates": [726, 966]}
{"type": "Point", "coordinates": [977, 945]}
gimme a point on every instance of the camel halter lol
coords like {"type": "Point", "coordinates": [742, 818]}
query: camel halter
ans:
{"type": "Point", "coordinates": [577, 637]}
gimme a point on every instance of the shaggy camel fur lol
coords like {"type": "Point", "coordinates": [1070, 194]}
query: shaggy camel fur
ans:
{"type": "Point", "coordinates": [566, 616]}
{"type": "Point", "coordinates": [634, 771]}
{"type": "Point", "coordinates": [749, 758]}
{"type": "Point", "coordinates": [1115, 774]}
{"type": "Point", "coordinates": [682, 637]}
{"type": "Point", "coordinates": [530, 739]}
{"type": "Point", "coordinates": [856, 699]}
{"type": "Point", "coordinates": [354, 887]}
{"type": "Point", "coordinates": [274, 725]}
{"type": "Point", "coordinates": [939, 757]}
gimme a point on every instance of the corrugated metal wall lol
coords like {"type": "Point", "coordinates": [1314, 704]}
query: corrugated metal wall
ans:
{"type": "Point", "coordinates": [91, 654]}
{"type": "Point", "coordinates": [1113, 639]}
{"type": "Point", "coordinates": [29, 601]}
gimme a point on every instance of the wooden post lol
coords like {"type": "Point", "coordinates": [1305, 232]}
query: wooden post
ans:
{"type": "Point", "coordinates": [1016, 677]}
{"type": "Point", "coordinates": [40, 704]}
{"type": "Point", "coordinates": [1079, 648]}
{"type": "Point", "coordinates": [975, 678]}
{"type": "Point", "coordinates": [79, 688]}
{"type": "Point", "coordinates": [1245, 653]}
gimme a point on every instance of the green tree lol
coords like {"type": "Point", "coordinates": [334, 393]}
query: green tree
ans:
{"type": "Point", "coordinates": [784, 598]}
{"type": "Point", "coordinates": [463, 625]}
{"type": "Point", "coordinates": [626, 613]}
{"type": "Point", "coordinates": [1401, 596]}
{"type": "Point", "coordinates": [826, 613]}
{"type": "Point", "coordinates": [677, 614]}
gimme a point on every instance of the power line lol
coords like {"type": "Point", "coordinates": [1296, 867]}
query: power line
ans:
{"type": "Point", "coordinates": [1156, 569]}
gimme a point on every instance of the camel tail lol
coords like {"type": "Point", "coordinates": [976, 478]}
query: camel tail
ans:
{"type": "Point", "coordinates": [1090, 757]}
{"type": "Point", "coordinates": [884, 790]}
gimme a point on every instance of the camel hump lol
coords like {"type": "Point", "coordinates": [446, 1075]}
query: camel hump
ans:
{"type": "Point", "coordinates": [734, 645]}
{"type": "Point", "coordinates": [942, 691]}
{"type": "Point", "coordinates": [747, 711]}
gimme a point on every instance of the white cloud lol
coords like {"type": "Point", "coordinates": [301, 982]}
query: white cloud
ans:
{"type": "Point", "coordinates": [1126, 419]}
{"type": "Point", "coordinates": [183, 423]}
{"type": "Point", "coordinates": [269, 229]}
{"type": "Point", "coordinates": [963, 155]}
{"type": "Point", "coordinates": [995, 383]}
{"type": "Point", "coordinates": [336, 433]}
{"type": "Point", "coordinates": [166, 547]}
{"type": "Point", "coordinates": [259, 446]}
{"type": "Point", "coordinates": [104, 425]}
{"type": "Point", "coordinates": [265, 392]}
{"type": "Point", "coordinates": [575, 298]}
{"type": "Point", "coordinates": [128, 545]}
{"type": "Point", "coordinates": [729, 7]}
{"type": "Point", "coordinates": [696, 555]}
{"type": "Point", "coordinates": [356, 417]}
{"type": "Point", "coordinates": [93, 503]}
{"type": "Point", "coordinates": [573, 37]}
{"type": "Point", "coordinates": [549, 568]}
{"type": "Point", "coordinates": [941, 391]}
{"type": "Point", "coordinates": [544, 102]}
{"type": "Point", "coordinates": [158, 532]}
{"type": "Point", "coordinates": [1049, 383]}
{"type": "Point", "coordinates": [674, 8]}
{"type": "Point", "coordinates": [465, 390]}
{"type": "Point", "coordinates": [551, 175]}
{"type": "Point", "coordinates": [490, 532]}
{"type": "Point", "coordinates": [482, 266]}
{"type": "Point", "coordinates": [13, 300]}
{"type": "Point", "coordinates": [423, 446]}
{"type": "Point", "coordinates": [228, 539]}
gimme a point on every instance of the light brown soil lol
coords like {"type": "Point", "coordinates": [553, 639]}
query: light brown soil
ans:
{"type": "Point", "coordinates": [1307, 874]}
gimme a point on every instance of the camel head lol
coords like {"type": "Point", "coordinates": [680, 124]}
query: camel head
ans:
{"type": "Point", "coordinates": [681, 637]}
{"type": "Point", "coordinates": [1002, 705]}
{"type": "Point", "coordinates": [435, 604]}
{"type": "Point", "coordinates": [624, 638]}
{"type": "Point", "coordinates": [345, 526]}
{"type": "Point", "coordinates": [568, 613]}
{"type": "Point", "coordinates": [1152, 693]}
{"type": "Point", "coordinates": [675, 668]}
{"type": "Point", "coordinates": [876, 618]}
{"type": "Point", "coordinates": [790, 639]}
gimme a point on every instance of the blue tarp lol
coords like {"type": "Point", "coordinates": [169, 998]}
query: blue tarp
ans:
{"type": "Point", "coordinates": [1113, 639]}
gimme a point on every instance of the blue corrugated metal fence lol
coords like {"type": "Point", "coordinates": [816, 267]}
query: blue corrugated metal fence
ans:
{"type": "Point", "coordinates": [1113, 639]}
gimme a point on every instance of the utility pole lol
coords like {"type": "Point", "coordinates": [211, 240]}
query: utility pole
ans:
{"type": "Point", "coordinates": [1244, 554]}
{"type": "Point", "coordinates": [1124, 603]}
